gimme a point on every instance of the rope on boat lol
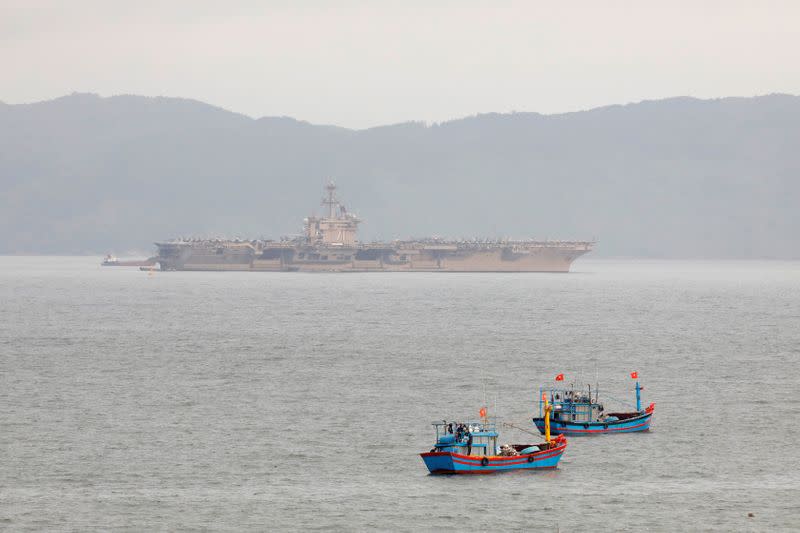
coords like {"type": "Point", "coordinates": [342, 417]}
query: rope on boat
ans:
{"type": "Point", "coordinates": [510, 425]}
{"type": "Point", "coordinates": [620, 401]}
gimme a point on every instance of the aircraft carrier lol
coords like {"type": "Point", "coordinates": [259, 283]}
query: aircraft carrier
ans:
{"type": "Point", "coordinates": [329, 244]}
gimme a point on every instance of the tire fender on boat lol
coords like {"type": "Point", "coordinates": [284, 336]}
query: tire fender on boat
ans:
{"type": "Point", "coordinates": [531, 458]}
{"type": "Point", "coordinates": [485, 461]}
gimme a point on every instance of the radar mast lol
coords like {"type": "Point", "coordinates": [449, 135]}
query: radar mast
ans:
{"type": "Point", "coordinates": [331, 202]}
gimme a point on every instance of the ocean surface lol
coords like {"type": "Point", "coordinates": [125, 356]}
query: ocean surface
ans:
{"type": "Point", "coordinates": [293, 401]}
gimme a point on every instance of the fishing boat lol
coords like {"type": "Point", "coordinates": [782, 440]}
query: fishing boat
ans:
{"type": "Point", "coordinates": [577, 412]}
{"type": "Point", "coordinates": [471, 448]}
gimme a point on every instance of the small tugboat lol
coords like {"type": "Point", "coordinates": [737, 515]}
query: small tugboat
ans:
{"type": "Point", "coordinates": [471, 448]}
{"type": "Point", "coordinates": [111, 260]}
{"type": "Point", "coordinates": [576, 412]}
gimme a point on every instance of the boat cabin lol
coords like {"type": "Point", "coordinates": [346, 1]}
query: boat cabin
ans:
{"type": "Point", "coordinates": [571, 405]}
{"type": "Point", "coordinates": [466, 438]}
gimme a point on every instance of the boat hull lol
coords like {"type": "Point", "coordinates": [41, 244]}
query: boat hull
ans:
{"type": "Point", "coordinates": [629, 425]}
{"type": "Point", "coordinates": [258, 257]}
{"type": "Point", "coordinates": [455, 463]}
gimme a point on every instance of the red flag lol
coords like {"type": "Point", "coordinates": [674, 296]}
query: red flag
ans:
{"type": "Point", "coordinates": [483, 412]}
{"type": "Point", "coordinates": [634, 375]}
{"type": "Point", "coordinates": [560, 377]}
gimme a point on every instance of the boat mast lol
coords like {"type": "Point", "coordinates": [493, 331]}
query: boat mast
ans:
{"type": "Point", "coordinates": [597, 384]}
{"type": "Point", "coordinates": [638, 397]}
{"type": "Point", "coordinates": [484, 410]}
{"type": "Point", "coordinates": [546, 418]}
{"type": "Point", "coordinates": [541, 399]}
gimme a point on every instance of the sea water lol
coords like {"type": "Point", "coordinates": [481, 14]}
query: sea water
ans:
{"type": "Point", "coordinates": [180, 400]}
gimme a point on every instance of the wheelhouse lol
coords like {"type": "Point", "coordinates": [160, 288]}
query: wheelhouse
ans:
{"type": "Point", "coordinates": [467, 438]}
{"type": "Point", "coordinates": [571, 405]}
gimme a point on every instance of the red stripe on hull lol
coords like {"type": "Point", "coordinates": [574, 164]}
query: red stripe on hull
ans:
{"type": "Point", "coordinates": [516, 460]}
{"type": "Point", "coordinates": [544, 454]}
{"type": "Point", "coordinates": [460, 472]}
{"type": "Point", "coordinates": [604, 430]}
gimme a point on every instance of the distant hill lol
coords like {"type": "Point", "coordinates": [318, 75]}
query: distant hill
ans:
{"type": "Point", "coordinates": [672, 178]}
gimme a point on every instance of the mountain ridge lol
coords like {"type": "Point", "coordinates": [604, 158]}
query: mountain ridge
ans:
{"type": "Point", "coordinates": [670, 99]}
{"type": "Point", "coordinates": [677, 177]}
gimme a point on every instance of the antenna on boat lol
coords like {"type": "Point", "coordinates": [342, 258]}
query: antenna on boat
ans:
{"type": "Point", "coordinates": [484, 412]}
{"type": "Point", "coordinates": [596, 384]}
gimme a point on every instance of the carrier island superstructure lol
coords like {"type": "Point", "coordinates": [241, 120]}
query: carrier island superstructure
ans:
{"type": "Point", "coordinates": [329, 244]}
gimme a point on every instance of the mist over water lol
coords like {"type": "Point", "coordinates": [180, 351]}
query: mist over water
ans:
{"type": "Point", "coordinates": [286, 400]}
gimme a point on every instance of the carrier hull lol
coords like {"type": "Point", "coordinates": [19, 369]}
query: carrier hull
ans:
{"type": "Point", "coordinates": [227, 256]}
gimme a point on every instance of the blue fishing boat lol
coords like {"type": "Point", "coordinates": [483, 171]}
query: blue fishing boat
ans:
{"type": "Point", "coordinates": [577, 412]}
{"type": "Point", "coordinates": [471, 448]}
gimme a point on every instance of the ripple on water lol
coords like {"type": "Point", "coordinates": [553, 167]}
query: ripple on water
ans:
{"type": "Point", "coordinates": [274, 401]}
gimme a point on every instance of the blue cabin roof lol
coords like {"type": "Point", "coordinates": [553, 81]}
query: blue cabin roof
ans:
{"type": "Point", "coordinates": [458, 436]}
{"type": "Point", "coordinates": [481, 428]}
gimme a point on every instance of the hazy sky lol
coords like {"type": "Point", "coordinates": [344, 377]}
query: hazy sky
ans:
{"type": "Point", "coordinates": [362, 64]}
